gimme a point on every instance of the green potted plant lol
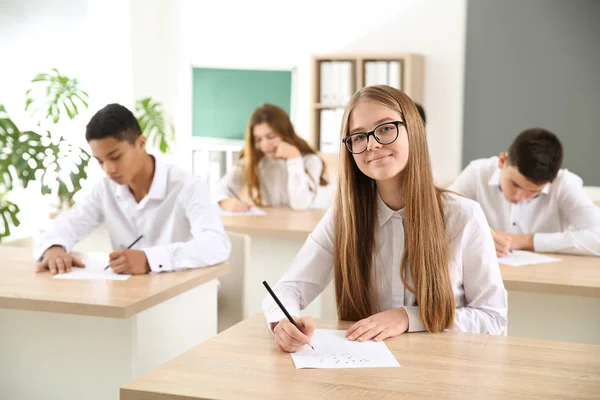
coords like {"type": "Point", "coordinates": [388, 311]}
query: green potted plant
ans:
{"type": "Point", "coordinates": [26, 155]}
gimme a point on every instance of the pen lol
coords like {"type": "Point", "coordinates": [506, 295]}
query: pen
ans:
{"type": "Point", "coordinates": [493, 232]}
{"type": "Point", "coordinates": [130, 246]}
{"type": "Point", "coordinates": [287, 314]}
{"type": "Point", "coordinates": [233, 193]}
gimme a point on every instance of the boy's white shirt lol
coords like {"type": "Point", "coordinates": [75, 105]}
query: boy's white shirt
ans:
{"type": "Point", "coordinates": [562, 217]}
{"type": "Point", "coordinates": [286, 183]}
{"type": "Point", "coordinates": [179, 221]}
{"type": "Point", "coordinates": [481, 301]}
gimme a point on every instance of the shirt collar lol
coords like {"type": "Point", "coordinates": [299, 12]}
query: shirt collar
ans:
{"type": "Point", "coordinates": [495, 181]}
{"type": "Point", "coordinates": [384, 213]}
{"type": "Point", "coordinates": [158, 187]}
{"type": "Point", "coordinates": [495, 178]}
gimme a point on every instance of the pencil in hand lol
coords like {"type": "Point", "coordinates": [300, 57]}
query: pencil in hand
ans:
{"type": "Point", "coordinates": [234, 194]}
{"type": "Point", "coordinates": [130, 246]}
{"type": "Point", "coordinates": [287, 314]}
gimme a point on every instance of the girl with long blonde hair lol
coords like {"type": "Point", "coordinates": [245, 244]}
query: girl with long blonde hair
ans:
{"type": "Point", "coordinates": [277, 167]}
{"type": "Point", "coordinates": [404, 254]}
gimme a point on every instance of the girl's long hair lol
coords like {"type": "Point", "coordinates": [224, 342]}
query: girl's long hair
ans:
{"type": "Point", "coordinates": [425, 255]}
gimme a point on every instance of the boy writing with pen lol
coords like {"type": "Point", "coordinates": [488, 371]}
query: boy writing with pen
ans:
{"type": "Point", "coordinates": [529, 201]}
{"type": "Point", "coordinates": [140, 196]}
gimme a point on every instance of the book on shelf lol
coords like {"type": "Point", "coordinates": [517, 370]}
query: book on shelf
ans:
{"type": "Point", "coordinates": [331, 125]}
{"type": "Point", "coordinates": [336, 82]}
{"type": "Point", "coordinates": [383, 73]}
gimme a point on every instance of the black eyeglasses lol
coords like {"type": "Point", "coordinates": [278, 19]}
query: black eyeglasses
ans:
{"type": "Point", "coordinates": [386, 133]}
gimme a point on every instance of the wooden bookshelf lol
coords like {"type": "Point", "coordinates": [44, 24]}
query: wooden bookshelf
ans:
{"type": "Point", "coordinates": [356, 70]}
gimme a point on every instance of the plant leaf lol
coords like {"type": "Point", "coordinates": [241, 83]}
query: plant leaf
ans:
{"type": "Point", "coordinates": [54, 94]}
{"type": "Point", "coordinates": [155, 123]}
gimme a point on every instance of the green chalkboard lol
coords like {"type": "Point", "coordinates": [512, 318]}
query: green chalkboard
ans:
{"type": "Point", "coordinates": [223, 99]}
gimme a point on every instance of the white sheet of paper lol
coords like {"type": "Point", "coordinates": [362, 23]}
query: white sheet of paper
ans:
{"type": "Point", "coordinates": [333, 350]}
{"type": "Point", "coordinates": [94, 269]}
{"type": "Point", "coordinates": [522, 257]}
{"type": "Point", "coordinates": [252, 211]}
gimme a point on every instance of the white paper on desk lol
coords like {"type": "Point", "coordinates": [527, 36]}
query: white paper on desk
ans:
{"type": "Point", "coordinates": [252, 211]}
{"type": "Point", "coordinates": [333, 350]}
{"type": "Point", "coordinates": [94, 269]}
{"type": "Point", "coordinates": [522, 257]}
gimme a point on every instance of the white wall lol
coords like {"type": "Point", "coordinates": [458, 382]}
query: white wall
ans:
{"type": "Point", "coordinates": [270, 34]}
{"type": "Point", "coordinates": [85, 39]}
{"type": "Point", "coordinates": [35, 36]}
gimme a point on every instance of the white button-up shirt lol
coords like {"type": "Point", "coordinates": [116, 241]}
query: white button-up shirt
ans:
{"type": "Point", "coordinates": [481, 303]}
{"type": "Point", "coordinates": [180, 223]}
{"type": "Point", "coordinates": [562, 217]}
{"type": "Point", "coordinates": [285, 183]}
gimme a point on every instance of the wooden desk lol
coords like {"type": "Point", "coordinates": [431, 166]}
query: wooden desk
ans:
{"type": "Point", "coordinates": [276, 238]}
{"type": "Point", "coordinates": [280, 222]}
{"type": "Point", "coordinates": [557, 301]}
{"type": "Point", "coordinates": [83, 339]}
{"type": "Point", "coordinates": [573, 276]}
{"type": "Point", "coordinates": [244, 362]}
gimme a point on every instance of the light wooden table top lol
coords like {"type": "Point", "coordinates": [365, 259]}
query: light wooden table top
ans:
{"type": "Point", "coordinates": [574, 276]}
{"type": "Point", "coordinates": [280, 222]}
{"type": "Point", "coordinates": [244, 362]}
{"type": "Point", "coordinates": [21, 288]}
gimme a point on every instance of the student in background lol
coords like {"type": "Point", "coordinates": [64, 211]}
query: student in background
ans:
{"type": "Point", "coordinates": [529, 201]}
{"type": "Point", "coordinates": [277, 167]}
{"type": "Point", "coordinates": [404, 254]}
{"type": "Point", "coordinates": [140, 195]}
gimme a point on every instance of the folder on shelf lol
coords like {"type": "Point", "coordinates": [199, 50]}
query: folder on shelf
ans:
{"type": "Point", "coordinates": [395, 74]}
{"type": "Point", "coordinates": [331, 123]}
{"type": "Point", "coordinates": [325, 95]}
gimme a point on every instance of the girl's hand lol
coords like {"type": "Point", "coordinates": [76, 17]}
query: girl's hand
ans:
{"type": "Point", "coordinates": [289, 338]}
{"type": "Point", "coordinates": [380, 326]}
{"type": "Point", "coordinates": [234, 205]}
{"type": "Point", "coordinates": [286, 151]}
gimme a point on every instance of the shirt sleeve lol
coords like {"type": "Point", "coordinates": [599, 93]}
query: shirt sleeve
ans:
{"type": "Point", "coordinates": [467, 181]}
{"type": "Point", "coordinates": [486, 304]}
{"type": "Point", "coordinates": [73, 226]}
{"type": "Point", "coordinates": [231, 181]}
{"type": "Point", "coordinates": [308, 275]}
{"type": "Point", "coordinates": [304, 175]}
{"type": "Point", "coordinates": [583, 217]}
{"type": "Point", "coordinates": [209, 245]}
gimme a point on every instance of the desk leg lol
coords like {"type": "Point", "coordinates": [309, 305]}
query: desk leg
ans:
{"type": "Point", "coordinates": [53, 356]}
{"type": "Point", "coordinates": [554, 317]}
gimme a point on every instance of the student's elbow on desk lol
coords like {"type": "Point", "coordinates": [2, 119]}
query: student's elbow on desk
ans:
{"type": "Point", "coordinates": [480, 321]}
{"type": "Point", "coordinates": [219, 249]}
{"type": "Point", "coordinates": [581, 243]}
{"type": "Point", "coordinates": [497, 324]}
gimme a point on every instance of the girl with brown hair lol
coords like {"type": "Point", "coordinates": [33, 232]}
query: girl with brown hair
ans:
{"type": "Point", "coordinates": [277, 167]}
{"type": "Point", "coordinates": [405, 255]}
